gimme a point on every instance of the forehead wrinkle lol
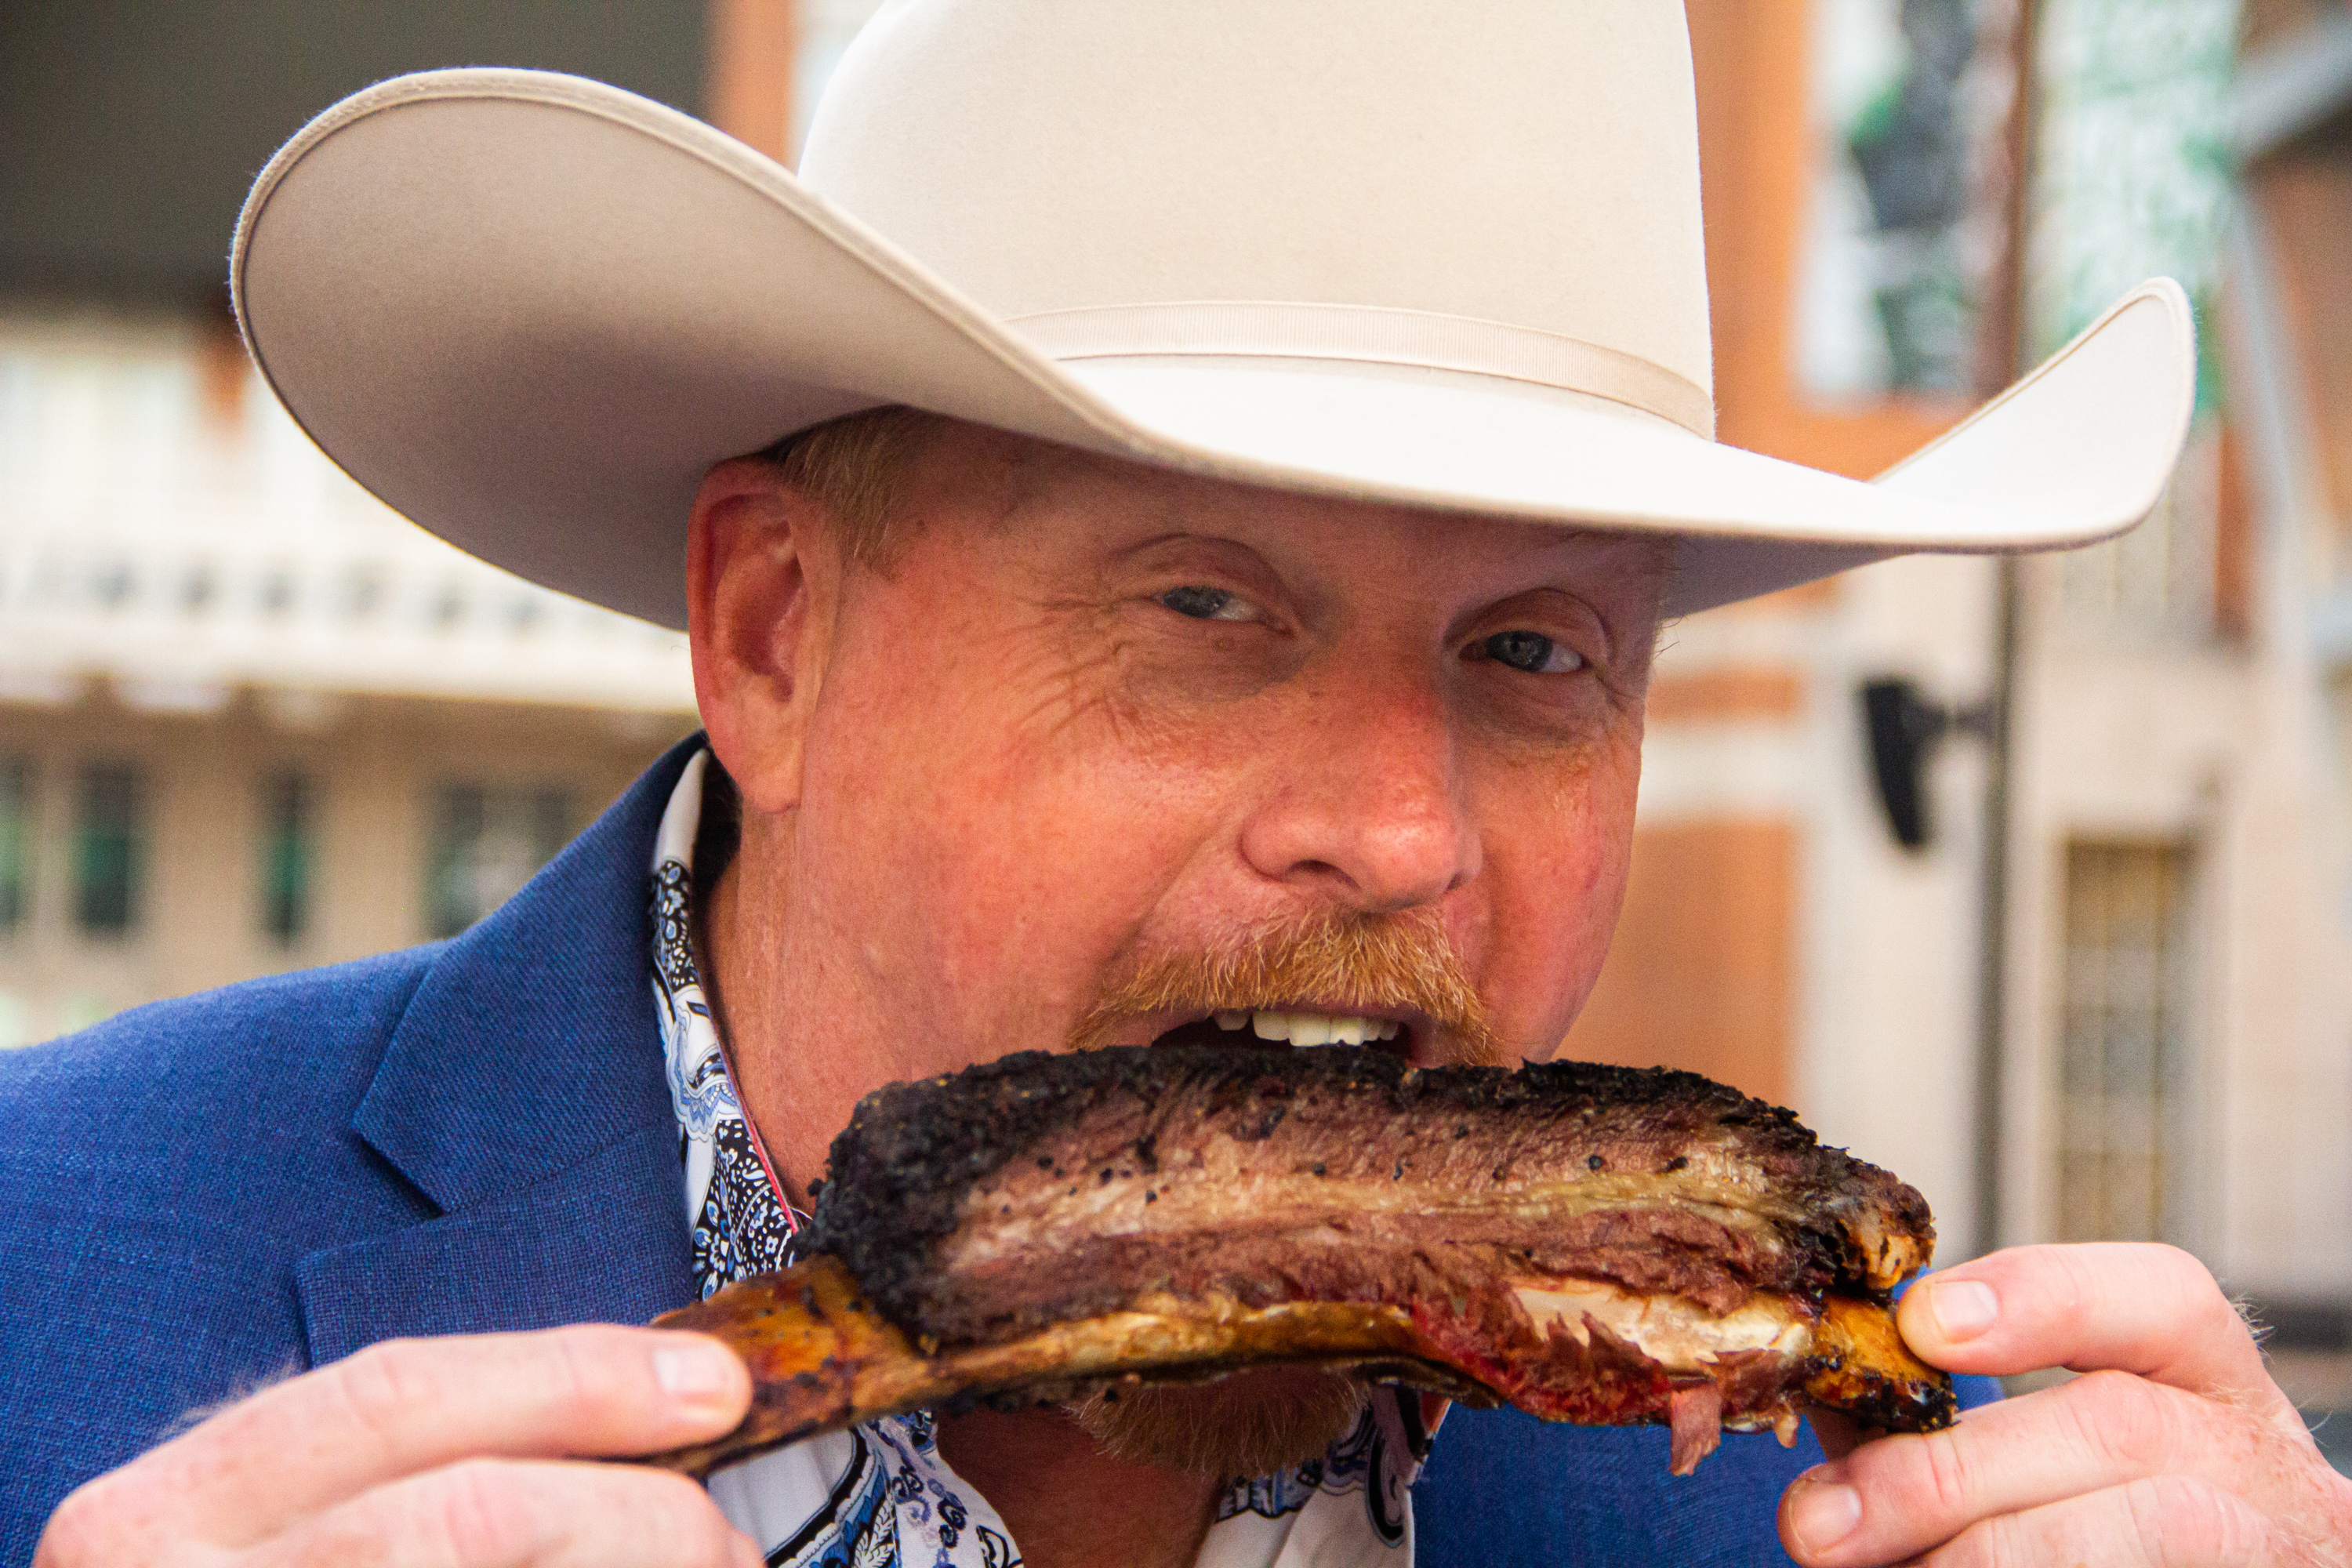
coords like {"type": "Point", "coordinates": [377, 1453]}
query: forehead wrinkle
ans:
{"type": "Point", "coordinates": [979, 477]}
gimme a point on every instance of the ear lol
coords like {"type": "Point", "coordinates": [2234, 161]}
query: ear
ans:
{"type": "Point", "coordinates": [763, 583]}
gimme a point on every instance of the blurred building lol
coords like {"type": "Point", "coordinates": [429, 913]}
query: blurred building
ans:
{"type": "Point", "coordinates": [248, 720]}
{"type": "Point", "coordinates": [2128, 1013]}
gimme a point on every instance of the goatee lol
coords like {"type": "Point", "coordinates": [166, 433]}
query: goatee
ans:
{"type": "Point", "coordinates": [1250, 1424]}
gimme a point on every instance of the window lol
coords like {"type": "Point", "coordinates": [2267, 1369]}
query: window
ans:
{"type": "Point", "coordinates": [288, 854]}
{"type": "Point", "coordinates": [15, 849]}
{"type": "Point", "coordinates": [487, 843]}
{"type": "Point", "coordinates": [1907, 100]}
{"type": "Point", "coordinates": [109, 849]}
{"type": "Point", "coordinates": [2123, 1046]}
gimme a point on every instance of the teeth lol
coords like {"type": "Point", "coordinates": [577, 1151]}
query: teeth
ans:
{"type": "Point", "coordinates": [1312, 1028]}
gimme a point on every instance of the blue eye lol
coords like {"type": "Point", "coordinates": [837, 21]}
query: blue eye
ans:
{"type": "Point", "coordinates": [1203, 604]}
{"type": "Point", "coordinates": [1532, 652]}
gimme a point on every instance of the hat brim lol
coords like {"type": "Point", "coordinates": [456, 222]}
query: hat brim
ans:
{"type": "Point", "coordinates": [529, 311]}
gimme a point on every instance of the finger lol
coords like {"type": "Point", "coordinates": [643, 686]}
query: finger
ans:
{"type": "Point", "coordinates": [520, 1514]}
{"type": "Point", "coordinates": [408, 1405]}
{"type": "Point", "coordinates": [2167, 1521]}
{"type": "Point", "coordinates": [2128, 1306]}
{"type": "Point", "coordinates": [1890, 1500]}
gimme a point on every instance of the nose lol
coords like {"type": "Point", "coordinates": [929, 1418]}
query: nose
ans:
{"type": "Point", "coordinates": [1365, 805]}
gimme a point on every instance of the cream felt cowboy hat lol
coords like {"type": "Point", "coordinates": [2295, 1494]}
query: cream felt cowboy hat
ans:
{"type": "Point", "coordinates": [1444, 254]}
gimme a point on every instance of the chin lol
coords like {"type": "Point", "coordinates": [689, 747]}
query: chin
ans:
{"type": "Point", "coordinates": [1248, 1424]}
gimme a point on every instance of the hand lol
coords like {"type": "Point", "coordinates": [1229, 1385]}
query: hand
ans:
{"type": "Point", "coordinates": [2174, 1449]}
{"type": "Point", "coordinates": [443, 1452]}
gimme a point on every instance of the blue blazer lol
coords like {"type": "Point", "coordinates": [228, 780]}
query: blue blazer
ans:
{"type": "Point", "coordinates": [202, 1194]}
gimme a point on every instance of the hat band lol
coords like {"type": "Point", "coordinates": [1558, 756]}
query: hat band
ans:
{"type": "Point", "coordinates": [1373, 335]}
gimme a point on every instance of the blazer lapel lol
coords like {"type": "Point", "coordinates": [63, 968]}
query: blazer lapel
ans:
{"type": "Point", "coordinates": [524, 1094]}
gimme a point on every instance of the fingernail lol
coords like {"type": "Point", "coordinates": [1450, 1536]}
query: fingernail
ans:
{"type": "Point", "coordinates": [695, 1372]}
{"type": "Point", "coordinates": [1962, 1309]}
{"type": "Point", "coordinates": [1822, 1514]}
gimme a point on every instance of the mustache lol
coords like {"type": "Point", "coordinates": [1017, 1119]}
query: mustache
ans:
{"type": "Point", "coordinates": [1341, 961]}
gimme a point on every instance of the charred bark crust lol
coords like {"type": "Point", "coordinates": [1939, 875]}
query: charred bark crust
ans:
{"type": "Point", "coordinates": [902, 1173]}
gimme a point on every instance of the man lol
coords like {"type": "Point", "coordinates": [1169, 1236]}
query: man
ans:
{"type": "Point", "coordinates": [1315, 433]}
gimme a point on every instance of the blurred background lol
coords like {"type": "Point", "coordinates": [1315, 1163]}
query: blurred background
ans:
{"type": "Point", "coordinates": [2032, 881]}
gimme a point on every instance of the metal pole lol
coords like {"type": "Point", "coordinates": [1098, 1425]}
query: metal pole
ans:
{"type": "Point", "coordinates": [1992, 956]}
{"type": "Point", "coordinates": [2004, 355]}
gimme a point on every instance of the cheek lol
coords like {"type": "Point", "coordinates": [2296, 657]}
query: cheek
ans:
{"type": "Point", "coordinates": [986, 840]}
{"type": "Point", "coordinates": [1558, 876]}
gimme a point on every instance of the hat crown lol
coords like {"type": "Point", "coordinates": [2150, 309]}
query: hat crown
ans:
{"type": "Point", "coordinates": [1529, 162]}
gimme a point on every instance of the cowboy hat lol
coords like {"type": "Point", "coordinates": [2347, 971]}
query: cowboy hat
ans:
{"type": "Point", "coordinates": [1444, 255]}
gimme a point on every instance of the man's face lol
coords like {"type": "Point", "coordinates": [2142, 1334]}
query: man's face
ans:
{"type": "Point", "coordinates": [1093, 724]}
